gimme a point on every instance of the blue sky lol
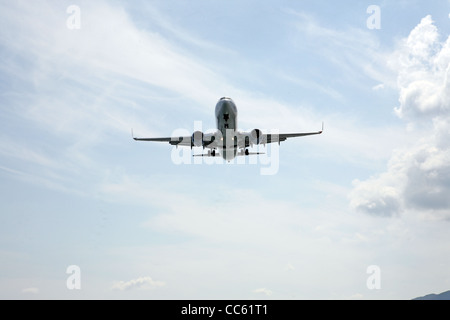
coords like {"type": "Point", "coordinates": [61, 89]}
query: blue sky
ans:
{"type": "Point", "coordinates": [77, 190]}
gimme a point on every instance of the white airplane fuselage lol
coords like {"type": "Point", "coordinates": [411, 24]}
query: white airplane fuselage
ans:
{"type": "Point", "coordinates": [226, 122]}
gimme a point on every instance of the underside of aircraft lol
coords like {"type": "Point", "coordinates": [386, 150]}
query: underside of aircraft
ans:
{"type": "Point", "coordinates": [227, 141]}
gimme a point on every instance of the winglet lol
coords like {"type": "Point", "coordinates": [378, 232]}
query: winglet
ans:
{"type": "Point", "coordinates": [322, 128]}
{"type": "Point", "coordinates": [132, 135]}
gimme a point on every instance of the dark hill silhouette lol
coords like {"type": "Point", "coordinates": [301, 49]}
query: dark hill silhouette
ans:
{"type": "Point", "coordinates": [441, 296]}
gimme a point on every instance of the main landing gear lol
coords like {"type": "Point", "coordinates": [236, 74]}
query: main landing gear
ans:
{"type": "Point", "coordinates": [244, 152]}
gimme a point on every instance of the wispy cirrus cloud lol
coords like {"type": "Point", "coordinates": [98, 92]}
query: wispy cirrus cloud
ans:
{"type": "Point", "coordinates": [75, 90]}
{"type": "Point", "coordinates": [356, 52]}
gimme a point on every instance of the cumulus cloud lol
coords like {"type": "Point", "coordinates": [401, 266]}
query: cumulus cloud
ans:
{"type": "Point", "coordinates": [417, 176]}
{"type": "Point", "coordinates": [423, 70]}
{"type": "Point", "coordinates": [139, 283]}
{"type": "Point", "coordinates": [265, 291]}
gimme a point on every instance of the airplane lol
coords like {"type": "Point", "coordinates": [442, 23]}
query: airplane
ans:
{"type": "Point", "coordinates": [227, 139]}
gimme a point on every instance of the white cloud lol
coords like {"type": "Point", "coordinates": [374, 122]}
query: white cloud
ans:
{"type": "Point", "coordinates": [378, 87]}
{"type": "Point", "coordinates": [32, 290]}
{"type": "Point", "coordinates": [422, 63]}
{"type": "Point", "coordinates": [139, 283]}
{"type": "Point", "coordinates": [10, 148]}
{"type": "Point", "coordinates": [357, 52]}
{"type": "Point", "coordinates": [356, 296]}
{"type": "Point", "coordinates": [418, 175]}
{"type": "Point", "coordinates": [289, 267]}
{"type": "Point", "coordinates": [265, 291]}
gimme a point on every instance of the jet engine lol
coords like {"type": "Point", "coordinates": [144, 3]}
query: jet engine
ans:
{"type": "Point", "coordinates": [198, 139]}
{"type": "Point", "coordinates": [255, 136]}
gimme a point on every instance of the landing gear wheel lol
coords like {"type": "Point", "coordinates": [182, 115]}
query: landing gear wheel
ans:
{"type": "Point", "coordinates": [213, 153]}
{"type": "Point", "coordinates": [246, 152]}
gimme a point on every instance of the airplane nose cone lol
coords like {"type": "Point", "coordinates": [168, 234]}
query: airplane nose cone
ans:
{"type": "Point", "coordinates": [226, 105]}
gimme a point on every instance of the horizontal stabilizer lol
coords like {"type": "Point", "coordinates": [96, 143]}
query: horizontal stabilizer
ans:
{"type": "Point", "coordinates": [207, 155]}
{"type": "Point", "coordinates": [249, 153]}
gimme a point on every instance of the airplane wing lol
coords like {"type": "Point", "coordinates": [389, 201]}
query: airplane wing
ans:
{"type": "Point", "coordinates": [175, 141]}
{"type": "Point", "coordinates": [212, 143]}
{"type": "Point", "coordinates": [187, 141]}
{"type": "Point", "coordinates": [270, 138]}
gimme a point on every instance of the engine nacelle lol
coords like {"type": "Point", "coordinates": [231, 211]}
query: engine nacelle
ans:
{"type": "Point", "coordinates": [255, 136]}
{"type": "Point", "coordinates": [198, 139]}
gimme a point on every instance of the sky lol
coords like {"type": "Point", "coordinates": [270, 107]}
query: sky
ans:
{"type": "Point", "coordinates": [359, 212]}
